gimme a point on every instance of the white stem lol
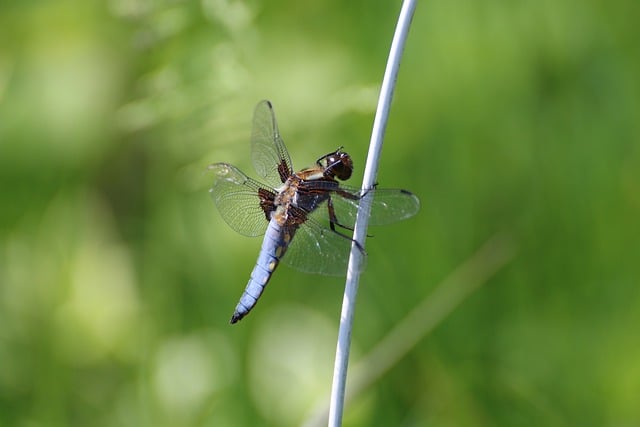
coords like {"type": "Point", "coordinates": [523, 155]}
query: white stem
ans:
{"type": "Point", "coordinates": [336, 408]}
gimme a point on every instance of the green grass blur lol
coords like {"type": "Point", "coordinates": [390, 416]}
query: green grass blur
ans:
{"type": "Point", "coordinates": [118, 276]}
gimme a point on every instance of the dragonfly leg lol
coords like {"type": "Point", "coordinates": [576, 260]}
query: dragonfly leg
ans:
{"type": "Point", "coordinates": [333, 219]}
{"type": "Point", "coordinates": [358, 245]}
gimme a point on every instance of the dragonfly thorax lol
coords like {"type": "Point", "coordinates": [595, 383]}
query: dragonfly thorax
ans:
{"type": "Point", "coordinates": [286, 197]}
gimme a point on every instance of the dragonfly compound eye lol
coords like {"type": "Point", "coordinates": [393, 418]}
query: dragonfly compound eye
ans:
{"type": "Point", "coordinates": [340, 165]}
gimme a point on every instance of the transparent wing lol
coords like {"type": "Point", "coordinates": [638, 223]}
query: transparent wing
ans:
{"type": "Point", "coordinates": [388, 205]}
{"type": "Point", "coordinates": [318, 250]}
{"type": "Point", "coordinates": [268, 152]}
{"type": "Point", "coordinates": [237, 198]}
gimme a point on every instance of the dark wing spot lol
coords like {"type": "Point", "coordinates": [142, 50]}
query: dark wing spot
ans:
{"type": "Point", "coordinates": [267, 202]}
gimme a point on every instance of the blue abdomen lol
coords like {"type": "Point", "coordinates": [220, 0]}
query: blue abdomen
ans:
{"type": "Point", "coordinates": [273, 249]}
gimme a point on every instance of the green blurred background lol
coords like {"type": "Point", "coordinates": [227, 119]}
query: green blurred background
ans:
{"type": "Point", "coordinates": [118, 276]}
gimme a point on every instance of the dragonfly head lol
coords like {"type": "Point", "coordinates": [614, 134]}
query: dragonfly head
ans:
{"type": "Point", "coordinates": [337, 164]}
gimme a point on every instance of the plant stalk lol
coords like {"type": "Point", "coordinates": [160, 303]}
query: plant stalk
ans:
{"type": "Point", "coordinates": [336, 408]}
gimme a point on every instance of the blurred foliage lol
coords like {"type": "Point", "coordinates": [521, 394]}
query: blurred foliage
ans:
{"type": "Point", "coordinates": [118, 276]}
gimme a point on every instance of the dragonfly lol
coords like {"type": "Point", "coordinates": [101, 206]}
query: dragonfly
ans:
{"type": "Point", "coordinates": [306, 217]}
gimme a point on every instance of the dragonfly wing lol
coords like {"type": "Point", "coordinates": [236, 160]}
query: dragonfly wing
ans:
{"type": "Point", "coordinates": [268, 152]}
{"type": "Point", "coordinates": [237, 198]}
{"type": "Point", "coordinates": [319, 250]}
{"type": "Point", "coordinates": [388, 205]}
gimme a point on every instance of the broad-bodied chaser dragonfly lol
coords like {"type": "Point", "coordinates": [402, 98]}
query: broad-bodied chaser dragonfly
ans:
{"type": "Point", "coordinates": [309, 205]}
